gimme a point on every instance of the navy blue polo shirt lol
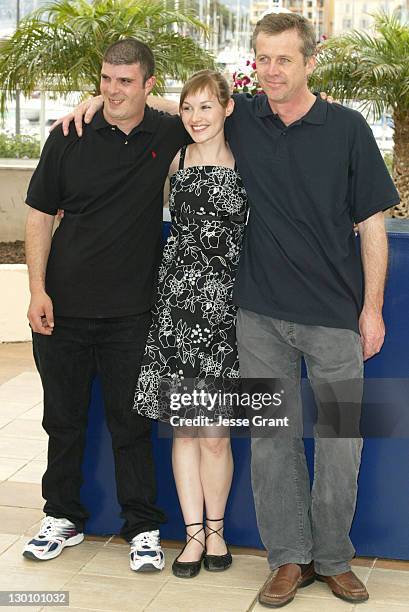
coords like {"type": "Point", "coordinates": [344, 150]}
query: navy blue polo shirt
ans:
{"type": "Point", "coordinates": [105, 253]}
{"type": "Point", "coordinates": [307, 184]}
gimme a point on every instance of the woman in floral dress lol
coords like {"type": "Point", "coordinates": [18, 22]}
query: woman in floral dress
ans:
{"type": "Point", "coordinates": [192, 343]}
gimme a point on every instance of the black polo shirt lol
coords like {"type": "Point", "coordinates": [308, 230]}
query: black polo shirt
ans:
{"type": "Point", "coordinates": [105, 253]}
{"type": "Point", "coordinates": [307, 184]}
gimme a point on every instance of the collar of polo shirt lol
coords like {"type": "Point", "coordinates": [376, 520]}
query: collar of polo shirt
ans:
{"type": "Point", "coordinates": [316, 115]}
{"type": "Point", "coordinates": [146, 125]}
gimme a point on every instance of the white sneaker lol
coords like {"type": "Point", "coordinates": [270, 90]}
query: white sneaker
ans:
{"type": "Point", "coordinates": [146, 554]}
{"type": "Point", "coordinates": [54, 535]}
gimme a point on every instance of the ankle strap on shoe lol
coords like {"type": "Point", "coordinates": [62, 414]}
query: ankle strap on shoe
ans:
{"type": "Point", "coordinates": [193, 537]}
{"type": "Point", "coordinates": [216, 531]}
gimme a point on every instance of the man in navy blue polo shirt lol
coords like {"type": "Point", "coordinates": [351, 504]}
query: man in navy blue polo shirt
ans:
{"type": "Point", "coordinates": [311, 170]}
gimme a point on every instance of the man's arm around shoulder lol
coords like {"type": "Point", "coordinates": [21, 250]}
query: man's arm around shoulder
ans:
{"type": "Point", "coordinates": [163, 104]}
{"type": "Point", "coordinates": [39, 228]}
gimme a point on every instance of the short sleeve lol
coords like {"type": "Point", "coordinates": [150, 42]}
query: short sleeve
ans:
{"type": "Point", "coordinates": [371, 187]}
{"type": "Point", "coordinates": [44, 190]}
{"type": "Point", "coordinates": [176, 132]}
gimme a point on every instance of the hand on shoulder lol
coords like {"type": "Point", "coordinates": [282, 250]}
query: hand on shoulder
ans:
{"type": "Point", "coordinates": [84, 111]}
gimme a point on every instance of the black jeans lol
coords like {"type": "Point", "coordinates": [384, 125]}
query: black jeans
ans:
{"type": "Point", "coordinates": [68, 362]}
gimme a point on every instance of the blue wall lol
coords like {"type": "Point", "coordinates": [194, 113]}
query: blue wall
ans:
{"type": "Point", "coordinates": [381, 524]}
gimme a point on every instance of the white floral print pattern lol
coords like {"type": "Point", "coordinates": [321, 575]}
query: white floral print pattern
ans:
{"type": "Point", "coordinates": [192, 336]}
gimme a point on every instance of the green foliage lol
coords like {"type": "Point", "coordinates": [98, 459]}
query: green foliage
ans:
{"type": "Point", "coordinates": [19, 147]}
{"type": "Point", "coordinates": [388, 159]}
{"type": "Point", "coordinates": [368, 67]}
{"type": "Point", "coordinates": [60, 46]}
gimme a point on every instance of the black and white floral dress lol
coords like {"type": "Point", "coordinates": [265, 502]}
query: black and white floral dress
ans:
{"type": "Point", "coordinates": [192, 339]}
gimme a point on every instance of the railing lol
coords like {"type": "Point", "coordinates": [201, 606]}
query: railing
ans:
{"type": "Point", "coordinates": [37, 115]}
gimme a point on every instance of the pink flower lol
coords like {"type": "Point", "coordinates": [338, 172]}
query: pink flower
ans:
{"type": "Point", "coordinates": [245, 79]}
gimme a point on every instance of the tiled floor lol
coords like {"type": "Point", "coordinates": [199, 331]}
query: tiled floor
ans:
{"type": "Point", "coordinates": [96, 573]}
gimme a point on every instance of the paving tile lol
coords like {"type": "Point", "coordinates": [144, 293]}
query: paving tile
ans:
{"type": "Point", "coordinates": [33, 529]}
{"type": "Point", "coordinates": [98, 538]}
{"type": "Point", "coordinates": [43, 456]}
{"type": "Point", "coordinates": [116, 539]}
{"type": "Point", "coordinates": [72, 559]}
{"type": "Point", "coordinates": [35, 413]}
{"type": "Point", "coordinates": [16, 608]}
{"type": "Point", "coordinates": [363, 561]}
{"type": "Point", "coordinates": [21, 448]}
{"type": "Point", "coordinates": [374, 606]}
{"type": "Point", "coordinates": [9, 466]}
{"type": "Point", "coordinates": [247, 550]}
{"type": "Point", "coordinates": [32, 472]}
{"type": "Point", "coordinates": [71, 609]}
{"type": "Point", "coordinates": [21, 395]}
{"type": "Point", "coordinates": [181, 597]}
{"type": "Point", "coordinates": [315, 604]}
{"type": "Point", "coordinates": [118, 594]}
{"type": "Point", "coordinates": [27, 380]}
{"type": "Point", "coordinates": [21, 495]}
{"type": "Point", "coordinates": [24, 428]}
{"type": "Point", "coordinates": [389, 586]}
{"type": "Point", "coordinates": [402, 566]}
{"type": "Point", "coordinates": [11, 409]}
{"type": "Point", "coordinates": [6, 540]}
{"type": "Point", "coordinates": [18, 520]}
{"type": "Point", "coordinates": [5, 420]}
{"type": "Point", "coordinates": [16, 579]}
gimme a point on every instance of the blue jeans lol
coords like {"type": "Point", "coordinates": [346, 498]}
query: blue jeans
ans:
{"type": "Point", "coordinates": [296, 525]}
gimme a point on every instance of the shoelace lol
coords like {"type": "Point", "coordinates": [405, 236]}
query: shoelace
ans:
{"type": "Point", "coordinates": [145, 540]}
{"type": "Point", "coordinates": [49, 527]}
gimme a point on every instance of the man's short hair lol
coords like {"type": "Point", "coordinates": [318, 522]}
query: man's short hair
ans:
{"type": "Point", "coordinates": [131, 51]}
{"type": "Point", "coordinates": [275, 23]}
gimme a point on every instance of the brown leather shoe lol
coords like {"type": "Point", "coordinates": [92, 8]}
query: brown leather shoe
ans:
{"type": "Point", "coordinates": [346, 586]}
{"type": "Point", "coordinates": [280, 589]}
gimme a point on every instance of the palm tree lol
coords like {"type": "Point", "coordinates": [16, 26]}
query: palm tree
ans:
{"type": "Point", "coordinates": [60, 46]}
{"type": "Point", "coordinates": [374, 69]}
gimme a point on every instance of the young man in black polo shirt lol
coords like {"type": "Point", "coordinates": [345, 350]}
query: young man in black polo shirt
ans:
{"type": "Point", "coordinates": [92, 286]}
{"type": "Point", "coordinates": [310, 170]}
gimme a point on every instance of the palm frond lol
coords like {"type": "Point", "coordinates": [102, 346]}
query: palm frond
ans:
{"type": "Point", "coordinates": [369, 67]}
{"type": "Point", "coordinates": [60, 46]}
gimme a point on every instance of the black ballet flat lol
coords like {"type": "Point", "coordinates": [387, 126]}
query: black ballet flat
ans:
{"type": "Point", "coordinates": [217, 563]}
{"type": "Point", "coordinates": [189, 569]}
